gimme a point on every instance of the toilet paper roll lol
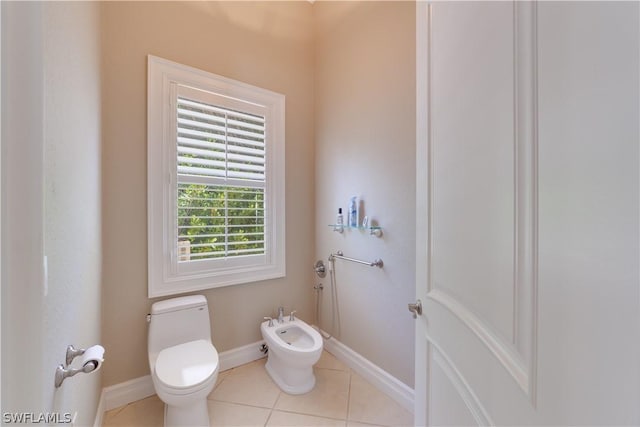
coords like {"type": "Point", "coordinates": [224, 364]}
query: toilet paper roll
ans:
{"type": "Point", "coordinates": [94, 355]}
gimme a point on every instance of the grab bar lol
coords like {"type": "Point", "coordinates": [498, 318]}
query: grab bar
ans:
{"type": "Point", "coordinates": [339, 255]}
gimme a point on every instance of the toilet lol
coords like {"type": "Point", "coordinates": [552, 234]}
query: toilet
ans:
{"type": "Point", "coordinates": [182, 359]}
{"type": "Point", "coordinates": [294, 347]}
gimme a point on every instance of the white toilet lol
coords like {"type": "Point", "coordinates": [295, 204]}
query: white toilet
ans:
{"type": "Point", "coordinates": [183, 361]}
{"type": "Point", "coordinates": [294, 347]}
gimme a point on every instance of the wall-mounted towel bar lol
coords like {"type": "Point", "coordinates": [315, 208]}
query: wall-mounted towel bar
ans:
{"type": "Point", "coordinates": [339, 255]}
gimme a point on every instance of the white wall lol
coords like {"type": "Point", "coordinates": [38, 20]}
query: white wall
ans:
{"type": "Point", "coordinates": [22, 235]}
{"type": "Point", "coordinates": [51, 203]}
{"type": "Point", "coordinates": [365, 146]}
{"type": "Point", "coordinates": [72, 146]}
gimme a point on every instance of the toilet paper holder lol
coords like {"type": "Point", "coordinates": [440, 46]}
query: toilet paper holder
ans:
{"type": "Point", "coordinates": [72, 353]}
{"type": "Point", "coordinates": [93, 360]}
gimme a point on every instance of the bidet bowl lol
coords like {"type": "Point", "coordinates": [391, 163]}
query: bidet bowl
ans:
{"type": "Point", "coordinates": [294, 336]}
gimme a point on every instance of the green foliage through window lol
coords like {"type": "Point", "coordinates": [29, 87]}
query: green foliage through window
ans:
{"type": "Point", "coordinates": [219, 221]}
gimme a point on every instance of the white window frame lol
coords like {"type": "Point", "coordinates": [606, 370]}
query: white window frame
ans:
{"type": "Point", "coordinates": [165, 275]}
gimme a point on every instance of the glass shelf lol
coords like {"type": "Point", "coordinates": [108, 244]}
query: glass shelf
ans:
{"type": "Point", "coordinates": [373, 229]}
{"type": "Point", "coordinates": [348, 227]}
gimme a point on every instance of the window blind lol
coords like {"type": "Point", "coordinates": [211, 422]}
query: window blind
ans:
{"type": "Point", "coordinates": [221, 182]}
{"type": "Point", "coordinates": [219, 142]}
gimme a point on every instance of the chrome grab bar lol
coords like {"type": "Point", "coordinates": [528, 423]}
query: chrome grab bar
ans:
{"type": "Point", "coordinates": [339, 255]}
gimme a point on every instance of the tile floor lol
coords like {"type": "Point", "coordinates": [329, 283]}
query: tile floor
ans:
{"type": "Point", "coordinates": [246, 396]}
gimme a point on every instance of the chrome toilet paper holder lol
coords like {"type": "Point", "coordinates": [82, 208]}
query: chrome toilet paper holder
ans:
{"type": "Point", "coordinates": [72, 353]}
{"type": "Point", "coordinates": [63, 371]}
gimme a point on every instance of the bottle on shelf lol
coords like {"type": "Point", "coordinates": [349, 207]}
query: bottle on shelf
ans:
{"type": "Point", "coordinates": [353, 212]}
{"type": "Point", "coordinates": [339, 221]}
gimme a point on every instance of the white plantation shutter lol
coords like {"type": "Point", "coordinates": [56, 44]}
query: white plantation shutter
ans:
{"type": "Point", "coordinates": [215, 141]}
{"type": "Point", "coordinates": [215, 177]}
{"type": "Point", "coordinates": [221, 214]}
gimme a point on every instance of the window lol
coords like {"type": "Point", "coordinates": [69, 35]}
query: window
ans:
{"type": "Point", "coordinates": [215, 180]}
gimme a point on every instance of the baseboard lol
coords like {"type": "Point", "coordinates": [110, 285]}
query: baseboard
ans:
{"type": "Point", "coordinates": [241, 355]}
{"type": "Point", "coordinates": [381, 379]}
{"type": "Point", "coordinates": [129, 391]}
{"type": "Point", "coordinates": [100, 411]}
{"type": "Point", "coordinates": [139, 388]}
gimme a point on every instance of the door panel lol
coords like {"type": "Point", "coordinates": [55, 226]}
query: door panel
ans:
{"type": "Point", "coordinates": [475, 160]}
{"type": "Point", "coordinates": [483, 154]}
{"type": "Point", "coordinates": [452, 404]}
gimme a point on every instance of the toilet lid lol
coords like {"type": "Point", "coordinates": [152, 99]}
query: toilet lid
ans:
{"type": "Point", "coordinates": [186, 365]}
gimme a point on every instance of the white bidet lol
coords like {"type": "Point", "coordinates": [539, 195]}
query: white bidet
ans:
{"type": "Point", "coordinates": [294, 347]}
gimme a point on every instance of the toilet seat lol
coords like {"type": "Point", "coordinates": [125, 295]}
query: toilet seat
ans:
{"type": "Point", "coordinates": [186, 368]}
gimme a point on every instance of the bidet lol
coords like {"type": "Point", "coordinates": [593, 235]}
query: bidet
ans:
{"type": "Point", "coordinates": [294, 347]}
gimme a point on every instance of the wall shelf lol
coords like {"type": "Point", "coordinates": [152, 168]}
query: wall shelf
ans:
{"type": "Point", "coordinates": [374, 230]}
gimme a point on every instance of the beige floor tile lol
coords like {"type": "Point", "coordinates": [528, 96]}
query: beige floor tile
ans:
{"type": "Point", "coordinates": [329, 361]}
{"type": "Point", "coordinates": [145, 412]}
{"type": "Point", "coordinates": [279, 418]}
{"type": "Point", "coordinates": [221, 377]}
{"type": "Point", "coordinates": [231, 414]}
{"type": "Point", "coordinates": [329, 397]}
{"type": "Point", "coordinates": [247, 385]}
{"type": "Point", "coordinates": [367, 404]}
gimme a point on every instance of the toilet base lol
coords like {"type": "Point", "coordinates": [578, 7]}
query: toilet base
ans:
{"type": "Point", "coordinates": [290, 379]}
{"type": "Point", "coordinates": [193, 415]}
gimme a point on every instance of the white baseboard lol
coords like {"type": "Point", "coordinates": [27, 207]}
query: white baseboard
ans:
{"type": "Point", "coordinates": [100, 411]}
{"type": "Point", "coordinates": [139, 388]}
{"type": "Point", "coordinates": [381, 379]}
{"type": "Point", "coordinates": [241, 355]}
{"type": "Point", "coordinates": [129, 391]}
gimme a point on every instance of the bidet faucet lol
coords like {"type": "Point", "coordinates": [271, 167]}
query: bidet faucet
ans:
{"type": "Point", "coordinates": [280, 314]}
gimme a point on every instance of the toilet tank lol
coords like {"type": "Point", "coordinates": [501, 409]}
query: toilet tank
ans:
{"type": "Point", "coordinates": [176, 321]}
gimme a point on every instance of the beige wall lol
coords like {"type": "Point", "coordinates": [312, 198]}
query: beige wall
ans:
{"type": "Point", "coordinates": [365, 146]}
{"type": "Point", "coordinates": [267, 44]}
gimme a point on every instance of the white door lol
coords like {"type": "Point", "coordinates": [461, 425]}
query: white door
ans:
{"type": "Point", "coordinates": [528, 213]}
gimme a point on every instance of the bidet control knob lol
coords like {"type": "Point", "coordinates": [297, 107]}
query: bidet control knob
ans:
{"type": "Point", "coordinates": [270, 321]}
{"type": "Point", "coordinates": [291, 316]}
